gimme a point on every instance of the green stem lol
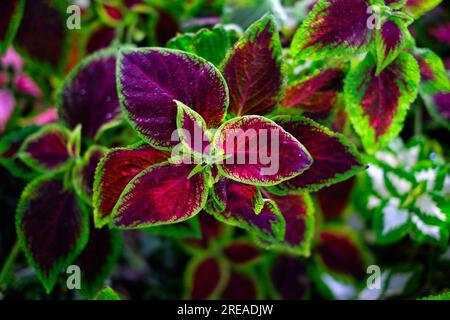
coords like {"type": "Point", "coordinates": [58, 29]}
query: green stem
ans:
{"type": "Point", "coordinates": [418, 120]}
{"type": "Point", "coordinates": [9, 263]}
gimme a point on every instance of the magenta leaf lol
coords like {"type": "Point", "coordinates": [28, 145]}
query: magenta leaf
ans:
{"type": "Point", "coordinates": [43, 17]}
{"type": "Point", "coordinates": [254, 70]}
{"type": "Point", "coordinates": [161, 194]}
{"type": "Point", "coordinates": [297, 211]}
{"type": "Point", "coordinates": [98, 258]}
{"type": "Point", "coordinates": [339, 251]}
{"type": "Point", "coordinates": [89, 95]}
{"type": "Point", "coordinates": [315, 94]}
{"type": "Point", "coordinates": [333, 28]}
{"type": "Point", "coordinates": [378, 104]}
{"type": "Point", "coordinates": [433, 75]}
{"type": "Point", "coordinates": [241, 286]}
{"type": "Point", "coordinates": [245, 208]}
{"type": "Point", "coordinates": [10, 14]}
{"type": "Point", "coordinates": [47, 149]}
{"type": "Point", "coordinates": [115, 171]}
{"type": "Point", "coordinates": [288, 278]}
{"type": "Point", "coordinates": [149, 82]}
{"type": "Point", "coordinates": [334, 158]}
{"type": "Point", "coordinates": [241, 252]}
{"type": "Point", "coordinates": [259, 152]}
{"type": "Point", "coordinates": [52, 227]}
{"type": "Point", "coordinates": [205, 278]}
{"type": "Point", "coordinates": [335, 199]}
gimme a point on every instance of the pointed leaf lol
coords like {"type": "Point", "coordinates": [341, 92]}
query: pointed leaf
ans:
{"type": "Point", "coordinates": [115, 171]}
{"type": "Point", "coordinates": [192, 130]}
{"type": "Point", "coordinates": [52, 227]}
{"type": "Point", "coordinates": [205, 278]}
{"type": "Point", "coordinates": [44, 17]}
{"type": "Point", "coordinates": [316, 93]}
{"type": "Point", "coordinates": [11, 14]}
{"type": "Point", "coordinates": [377, 105]}
{"type": "Point", "coordinates": [334, 27]}
{"type": "Point", "coordinates": [419, 7]}
{"type": "Point", "coordinates": [259, 152]}
{"type": "Point", "coordinates": [298, 211]}
{"type": "Point", "coordinates": [390, 40]}
{"type": "Point", "coordinates": [254, 70]}
{"type": "Point", "coordinates": [161, 194]}
{"type": "Point", "coordinates": [240, 200]}
{"type": "Point", "coordinates": [47, 150]}
{"type": "Point", "coordinates": [340, 252]}
{"type": "Point", "coordinates": [334, 158]}
{"type": "Point", "coordinates": [432, 71]}
{"type": "Point", "coordinates": [212, 45]}
{"type": "Point", "coordinates": [98, 258]}
{"type": "Point", "coordinates": [149, 80]}
{"type": "Point", "coordinates": [289, 278]}
{"type": "Point", "coordinates": [89, 95]}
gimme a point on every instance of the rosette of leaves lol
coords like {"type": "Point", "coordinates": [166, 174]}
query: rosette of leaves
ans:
{"type": "Point", "coordinates": [409, 194]}
{"type": "Point", "coordinates": [54, 221]}
{"type": "Point", "coordinates": [384, 77]}
{"type": "Point", "coordinates": [166, 91]}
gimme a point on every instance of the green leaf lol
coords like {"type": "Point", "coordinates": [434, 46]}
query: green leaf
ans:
{"type": "Point", "coordinates": [107, 294]}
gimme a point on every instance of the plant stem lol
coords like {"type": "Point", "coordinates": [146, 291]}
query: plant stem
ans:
{"type": "Point", "coordinates": [418, 120]}
{"type": "Point", "coordinates": [9, 263]}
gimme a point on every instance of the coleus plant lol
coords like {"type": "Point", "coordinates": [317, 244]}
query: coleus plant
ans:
{"type": "Point", "coordinates": [384, 77]}
{"type": "Point", "coordinates": [53, 223]}
{"type": "Point", "coordinates": [167, 93]}
{"type": "Point", "coordinates": [409, 186]}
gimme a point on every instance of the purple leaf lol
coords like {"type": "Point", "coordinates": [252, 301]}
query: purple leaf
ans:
{"type": "Point", "coordinates": [52, 228]}
{"type": "Point", "coordinates": [115, 171]}
{"type": "Point", "coordinates": [334, 158]}
{"type": "Point", "coordinates": [258, 151]}
{"type": "Point", "coordinates": [334, 200]}
{"type": "Point", "coordinates": [289, 278]}
{"type": "Point", "coordinates": [241, 252]}
{"type": "Point", "coordinates": [242, 202]}
{"type": "Point", "coordinates": [333, 28]}
{"type": "Point", "coordinates": [98, 258]}
{"type": "Point", "coordinates": [47, 149]}
{"type": "Point", "coordinates": [161, 194]}
{"type": "Point", "coordinates": [89, 95]}
{"type": "Point", "coordinates": [205, 277]}
{"type": "Point", "coordinates": [241, 286]}
{"type": "Point", "coordinates": [253, 70]}
{"type": "Point", "coordinates": [149, 80]}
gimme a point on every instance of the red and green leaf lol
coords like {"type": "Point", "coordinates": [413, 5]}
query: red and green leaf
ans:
{"type": "Point", "coordinates": [89, 95]}
{"type": "Point", "coordinates": [11, 12]}
{"type": "Point", "coordinates": [253, 70]}
{"type": "Point", "coordinates": [241, 286]}
{"type": "Point", "coordinates": [315, 94]}
{"type": "Point", "coordinates": [390, 39]}
{"type": "Point", "coordinates": [149, 82]}
{"type": "Point", "coordinates": [439, 107]}
{"type": "Point", "coordinates": [334, 27]}
{"type": "Point", "coordinates": [205, 277]}
{"type": "Point", "coordinates": [115, 171]}
{"type": "Point", "coordinates": [334, 158]}
{"type": "Point", "coordinates": [335, 199]}
{"type": "Point", "coordinates": [419, 7]}
{"type": "Point", "coordinates": [161, 194]}
{"type": "Point", "coordinates": [297, 211]}
{"type": "Point", "coordinates": [98, 258]}
{"type": "Point", "coordinates": [259, 152]}
{"type": "Point", "coordinates": [245, 208]}
{"type": "Point", "coordinates": [47, 150]}
{"type": "Point", "coordinates": [433, 75]}
{"type": "Point", "coordinates": [241, 252]}
{"type": "Point", "coordinates": [52, 227]}
{"type": "Point", "coordinates": [378, 104]}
